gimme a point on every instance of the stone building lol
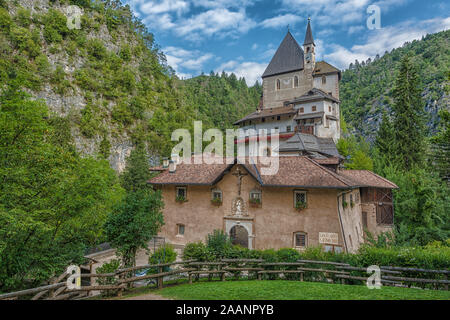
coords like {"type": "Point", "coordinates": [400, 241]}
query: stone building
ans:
{"type": "Point", "coordinates": [304, 204]}
{"type": "Point", "coordinates": [299, 94]}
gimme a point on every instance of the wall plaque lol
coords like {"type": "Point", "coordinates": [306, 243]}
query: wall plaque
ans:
{"type": "Point", "coordinates": [329, 238]}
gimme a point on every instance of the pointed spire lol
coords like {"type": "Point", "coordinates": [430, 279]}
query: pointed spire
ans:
{"type": "Point", "coordinates": [309, 37]}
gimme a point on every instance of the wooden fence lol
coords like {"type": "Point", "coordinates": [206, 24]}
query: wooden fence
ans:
{"type": "Point", "coordinates": [303, 270]}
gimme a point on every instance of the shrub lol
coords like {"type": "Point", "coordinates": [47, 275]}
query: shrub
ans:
{"type": "Point", "coordinates": [196, 251]}
{"type": "Point", "coordinates": [5, 20]}
{"type": "Point", "coordinates": [55, 26]}
{"type": "Point", "coordinates": [96, 49]}
{"type": "Point", "coordinates": [218, 243]}
{"type": "Point", "coordinates": [165, 254]}
{"type": "Point", "coordinates": [109, 267]}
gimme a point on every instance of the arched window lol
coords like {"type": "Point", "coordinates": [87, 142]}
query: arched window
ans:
{"type": "Point", "coordinates": [324, 80]}
{"type": "Point", "coordinates": [278, 84]}
{"type": "Point", "coordinates": [300, 239]}
{"type": "Point", "coordinates": [295, 82]}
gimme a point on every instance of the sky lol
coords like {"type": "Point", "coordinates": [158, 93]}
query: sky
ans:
{"type": "Point", "coordinates": [241, 36]}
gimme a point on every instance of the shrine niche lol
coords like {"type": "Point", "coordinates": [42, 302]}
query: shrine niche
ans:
{"type": "Point", "coordinates": [238, 207]}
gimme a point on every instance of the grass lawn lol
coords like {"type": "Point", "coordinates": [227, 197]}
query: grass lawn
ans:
{"type": "Point", "coordinates": [292, 290]}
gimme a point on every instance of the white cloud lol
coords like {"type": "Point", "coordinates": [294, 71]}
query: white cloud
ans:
{"type": "Point", "coordinates": [221, 22]}
{"type": "Point", "coordinates": [180, 59]}
{"type": "Point", "coordinates": [281, 21]}
{"type": "Point", "coordinates": [378, 41]}
{"type": "Point", "coordinates": [251, 71]}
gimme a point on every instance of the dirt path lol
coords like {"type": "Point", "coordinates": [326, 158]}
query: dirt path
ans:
{"type": "Point", "coordinates": [149, 296]}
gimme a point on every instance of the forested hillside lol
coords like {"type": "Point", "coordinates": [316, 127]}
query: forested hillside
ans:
{"type": "Point", "coordinates": [108, 80]}
{"type": "Point", "coordinates": [220, 100]}
{"type": "Point", "coordinates": [366, 87]}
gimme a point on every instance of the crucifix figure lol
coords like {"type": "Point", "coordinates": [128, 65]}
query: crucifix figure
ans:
{"type": "Point", "coordinates": [240, 175]}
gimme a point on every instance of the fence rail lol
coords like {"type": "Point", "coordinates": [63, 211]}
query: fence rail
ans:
{"type": "Point", "coordinates": [302, 270]}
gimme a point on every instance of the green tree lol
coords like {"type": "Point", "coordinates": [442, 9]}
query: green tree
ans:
{"type": "Point", "coordinates": [134, 222]}
{"type": "Point", "coordinates": [52, 201]}
{"type": "Point", "coordinates": [138, 218]}
{"type": "Point", "coordinates": [408, 116]}
{"type": "Point", "coordinates": [136, 173]}
{"type": "Point", "coordinates": [440, 147]}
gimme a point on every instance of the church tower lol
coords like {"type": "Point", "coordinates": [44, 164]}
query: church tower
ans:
{"type": "Point", "coordinates": [310, 49]}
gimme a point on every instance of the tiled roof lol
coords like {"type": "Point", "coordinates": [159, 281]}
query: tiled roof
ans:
{"type": "Point", "coordinates": [365, 178]}
{"type": "Point", "coordinates": [313, 94]}
{"type": "Point", "coordinates": [289, 57]}
{"type": "Point", "coordinates": [192, 174]}
{"type": "Point", "coordinates": [325, 161]}
{"type": "Point", "coordinates": [323, 67]}
{"type": "Point", "coordinates": [268, 113]}
{"type": "Point", "coordinates": [310, 143]}
{"type": "Point", "coordinates": [302, 172]}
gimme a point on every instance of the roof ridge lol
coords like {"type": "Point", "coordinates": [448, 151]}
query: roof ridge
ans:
{"type": "Point", "coordinates": [336, 176]}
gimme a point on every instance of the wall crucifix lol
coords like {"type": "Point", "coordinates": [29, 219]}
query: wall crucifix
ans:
{"type": "Point", "coordinates": [239, 174]}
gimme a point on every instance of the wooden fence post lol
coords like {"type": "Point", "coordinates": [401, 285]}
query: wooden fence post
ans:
{"type": "Point", "coordinates": [160, 279]}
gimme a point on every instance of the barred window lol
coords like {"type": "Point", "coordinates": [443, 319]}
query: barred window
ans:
{"type": "Point", "coordinates": [299, 197]}
{"type": "Point", "coordinates": [255, 195]}
{"type": "Point", "coordinates": [181, 192]}
{"type": "Point", "coordinates": [300, 240]}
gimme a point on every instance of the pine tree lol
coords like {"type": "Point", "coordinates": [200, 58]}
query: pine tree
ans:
{"type": "Point", "coordinates": [408, 112]}
{"type": "Point", "coordinates": [384, 138]}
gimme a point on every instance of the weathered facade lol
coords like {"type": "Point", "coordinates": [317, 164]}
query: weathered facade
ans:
{"type": "Point", "coordinates": [309, 206]}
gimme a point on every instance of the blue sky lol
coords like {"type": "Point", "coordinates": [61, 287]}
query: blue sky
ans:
{"type": "Point", "coordinates": [241, 36]}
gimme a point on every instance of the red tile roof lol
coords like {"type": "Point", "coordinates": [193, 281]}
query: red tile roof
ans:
{"type": "Point", "coordinates": [366, 178]}
{"type": "Point", "coordinates": [293, 171]}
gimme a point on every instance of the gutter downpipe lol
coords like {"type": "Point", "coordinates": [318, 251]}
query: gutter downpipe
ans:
{"type": "Point", "coordinates": [340, 220]}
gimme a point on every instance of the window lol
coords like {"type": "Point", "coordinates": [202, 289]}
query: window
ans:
{"type": "Point", "coordinates": [314, 108]}
{"type": "Point", "coordinates": [329, 108]}
{"type": "Point", "coordinates": [180, 229]}
{"type": "Point", "coordinates": [255, 194]}
{"type": "Point", "coordinates": [278, 117]}
{"type": "Point", "coordinates": [288, 129]}
{"type": "Point", "coordinates": [216, 195]}
{"type": "Point", "coordinates": [324, 80]}
{"type": "Point", "coordinates": [300, 240]}
{"type": "Point", "coordinates": [300, 199]}
{"type": "Point", "coordinates": [302, 110]}
{"type": "Point", "coordinates": [278, 84]}
{"type": "Point", "coordinates": [263, 120]}
{"type": "Point", "coordinates": [295, 82]}
{"type": "Point", "coordinates": [181, 194]}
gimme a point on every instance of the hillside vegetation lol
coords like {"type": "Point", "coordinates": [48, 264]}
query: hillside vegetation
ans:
{"type": "Point", "coordinates": [109, 80]}
{"type": "Point", "coordinates": [366, 87]}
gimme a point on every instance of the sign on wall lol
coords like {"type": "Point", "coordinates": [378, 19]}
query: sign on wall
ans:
{"type": "Point", "coordinates": [329, 238]}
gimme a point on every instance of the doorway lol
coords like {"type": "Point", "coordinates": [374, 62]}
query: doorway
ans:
{"type": "Point", "coordinates": [239, 236]}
